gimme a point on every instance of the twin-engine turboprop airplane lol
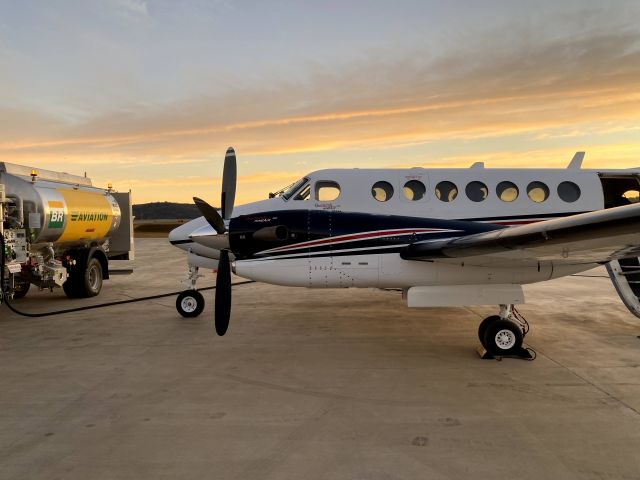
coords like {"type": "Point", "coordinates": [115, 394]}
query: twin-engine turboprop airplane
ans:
{"type": "Point", "coordinates": [445, 237]}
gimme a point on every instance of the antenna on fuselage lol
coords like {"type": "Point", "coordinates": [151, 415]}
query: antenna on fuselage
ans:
{"type": "Point", "coordinates": [576, 161]}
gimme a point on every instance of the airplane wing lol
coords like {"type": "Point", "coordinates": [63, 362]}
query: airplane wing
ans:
{"type": "Point", "coordinates": [593, 237]}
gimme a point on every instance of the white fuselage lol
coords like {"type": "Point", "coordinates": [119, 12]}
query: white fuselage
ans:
{"type": "Point", "coordinates": [366, 267]}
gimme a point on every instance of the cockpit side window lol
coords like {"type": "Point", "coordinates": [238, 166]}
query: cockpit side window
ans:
{"type": "Point", "coordinates": [288, 192]}
{"type": "Point", "coordinates": [303, 194]}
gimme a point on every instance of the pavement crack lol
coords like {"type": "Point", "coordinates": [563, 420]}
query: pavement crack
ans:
{"type": "Point", "coordinates": [592, 384]}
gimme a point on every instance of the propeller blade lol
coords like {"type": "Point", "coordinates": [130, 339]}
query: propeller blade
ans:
{"type": "Point", "coordinates": [229, 177]}
{"type": "Point", "coordinates": [223, 294]}
{"type": "Point", "coordinates": [210, 214]}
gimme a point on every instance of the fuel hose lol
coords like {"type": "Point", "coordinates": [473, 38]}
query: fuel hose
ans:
{"type": "Point", "coordinates": [4, 295]}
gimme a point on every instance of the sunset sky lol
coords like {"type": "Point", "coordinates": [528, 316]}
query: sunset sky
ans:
{"type": "Point", "coordinates": [149, 94]}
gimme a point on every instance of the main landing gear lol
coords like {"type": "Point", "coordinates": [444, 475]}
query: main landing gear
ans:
{"type": "Point", "coordinates": [502, 335]}
{"type": "Point", "coordinates": [190, 303]}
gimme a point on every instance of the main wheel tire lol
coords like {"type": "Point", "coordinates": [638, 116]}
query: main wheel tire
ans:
{"type": "Point", "coordinates": [92, 278]}
{"type": "Point", "coordinates": [190, 303]}
{"type": "Point", "coordinates": [503, 337]}
{"type": "Point", "coordinates": [70, 288]}
{"type": "Point", "coordinates": [482, 328]}
{"type": "Point", "coordinates": [21, 289]}
{"type": "Point", "coordinates": [84, 282]}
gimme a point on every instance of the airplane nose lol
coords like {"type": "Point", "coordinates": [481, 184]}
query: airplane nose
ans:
{"type": "Point", "coordinates": [180, 235]}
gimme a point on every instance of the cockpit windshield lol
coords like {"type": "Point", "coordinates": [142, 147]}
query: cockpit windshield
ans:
{"type": "Point", "coordinates": [287, 192]}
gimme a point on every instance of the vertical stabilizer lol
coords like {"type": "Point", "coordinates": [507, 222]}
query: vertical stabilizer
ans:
{"type": "Point", "coordinates": [576, 161]}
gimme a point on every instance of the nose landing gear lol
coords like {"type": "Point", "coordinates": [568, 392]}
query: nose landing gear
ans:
{"type": "Point", "coordinates": [190, 303]}
{"type": "Point", "coordinates": [502, 335]}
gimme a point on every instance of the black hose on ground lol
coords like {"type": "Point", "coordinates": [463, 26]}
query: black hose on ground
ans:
{"type": "Point", "coordinates": [108, 304]}
{"type": "Point", "coordinates": [4, 294]}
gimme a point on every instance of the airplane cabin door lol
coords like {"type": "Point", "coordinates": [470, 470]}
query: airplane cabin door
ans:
{"type": "Point", "coordinates": [620, 189]}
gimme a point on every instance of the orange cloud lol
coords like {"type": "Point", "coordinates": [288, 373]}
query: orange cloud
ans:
{"type": "Point", "coordinates": [580, 91]}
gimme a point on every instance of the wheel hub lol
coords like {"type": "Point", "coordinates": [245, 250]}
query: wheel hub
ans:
{"type": "Point", "coordinates": [189, 304]}
{"type": "Point", "coordinates": [93, 278]}
{"type": "Point", "coordinates": [505, 339]}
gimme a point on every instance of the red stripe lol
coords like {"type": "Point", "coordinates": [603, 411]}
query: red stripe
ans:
{"type": "Point", "coordinates": [356, 236]}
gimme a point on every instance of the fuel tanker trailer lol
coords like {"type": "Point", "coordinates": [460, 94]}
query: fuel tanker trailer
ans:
{"type": "Point", "coordinates": [58, 230]}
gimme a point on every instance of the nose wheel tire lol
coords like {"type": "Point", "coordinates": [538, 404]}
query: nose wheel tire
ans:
{"type": "Point", "coordinates": [190, 303]}
{"type": "Point", "coordinates": [503, 337]}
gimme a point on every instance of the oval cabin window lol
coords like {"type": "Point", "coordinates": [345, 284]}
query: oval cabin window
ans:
{"type": "Point", "coordinates": [538, 192]}
{"type": "Point", "coordinates": [507, 191]}
{"type": "Point", "coordinates": [446, 191]}
{"type": "Point", "coordinates": [569, 192]}
{"type": "Point", "coordinates": [477, 191]}
{"type": "Point", "coordinates": [382, 191]}
{"type": "Point", "coordinates": [414, 190]}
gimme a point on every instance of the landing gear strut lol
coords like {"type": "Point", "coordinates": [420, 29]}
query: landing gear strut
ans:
{"type": "Point", "coordinates": [502, 335]}
{"type": "Point", "coordinates": [190, 303]}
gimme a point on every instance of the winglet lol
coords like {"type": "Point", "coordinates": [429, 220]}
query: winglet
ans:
{"type": "Point", "coordinates": [576, 161]}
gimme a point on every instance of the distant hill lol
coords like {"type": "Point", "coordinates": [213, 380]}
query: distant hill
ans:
{"type": "Point", "coordinates": [165, 211]}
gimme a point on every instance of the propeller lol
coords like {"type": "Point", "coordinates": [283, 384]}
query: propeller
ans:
{"type": "Point", "coordinates": [223, 294]}
{"type": "Point", "coordinates": [216, 220]}
{"type": "Point", "coordinates": [229, 178]}
{"type": "Point", "coordinates": [211, 215]}
{"type": "Point", "coordinates": [227, 197]}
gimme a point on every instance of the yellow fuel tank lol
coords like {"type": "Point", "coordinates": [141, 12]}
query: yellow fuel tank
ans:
{"type": "Point", "coordinates": [90, 215]}
{"type": "Point", "coordinates": [76, 215]}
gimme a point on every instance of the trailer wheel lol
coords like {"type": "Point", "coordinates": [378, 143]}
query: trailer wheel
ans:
{"type": "Point", "coordinates": [85, 282]}
{"type": "Point", "coordinates": [190, 303]}
{"type": "Point", "coordinates": [70, 288]}
{"type": "Point", "coordinates": [92, 281]}
{"type": "Point", "coordinates": [21, 289]}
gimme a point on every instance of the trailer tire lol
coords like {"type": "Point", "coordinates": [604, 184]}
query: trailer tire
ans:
{"type": "Point", "coordinates": [20, 290]}
{"type": "Point", "coordinates": [85, 282]}
{"type": "Point", "coordinates": [92, 279]}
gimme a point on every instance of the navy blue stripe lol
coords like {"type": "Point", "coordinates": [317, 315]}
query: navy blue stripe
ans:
{"type": "Point", "coordinates": [309, 225]}
{"type": "Point", "coordinates": [180, 242]}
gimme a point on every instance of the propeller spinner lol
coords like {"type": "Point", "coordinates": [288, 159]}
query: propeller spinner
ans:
{"type": "Point", "coordinates": [223, 277]}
